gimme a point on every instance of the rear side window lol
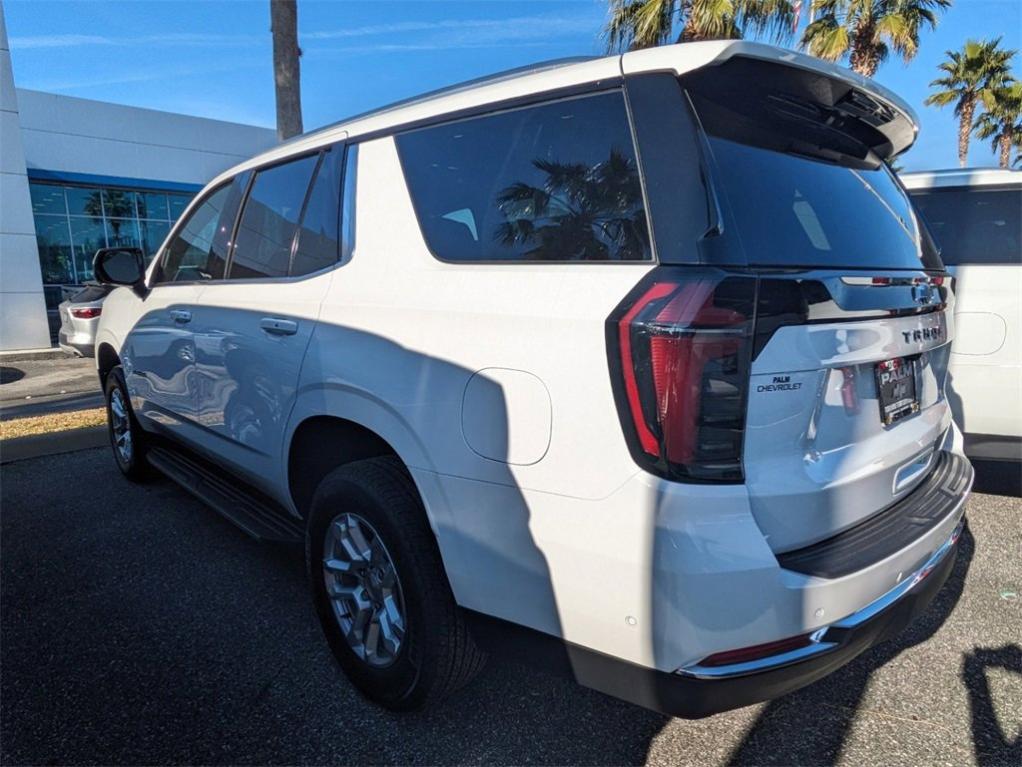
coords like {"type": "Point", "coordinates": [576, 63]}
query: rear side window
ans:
{"type": "Point", "coordinates": [556, 182]}
{"type": "Point", "coordinates": [973, 225]}
{"type": "Point", "coordinates": [199, 249]}
{"type": "Point", "coordinates": [317, 237]}
{"type": "Point", "coordinates": [270, 219]}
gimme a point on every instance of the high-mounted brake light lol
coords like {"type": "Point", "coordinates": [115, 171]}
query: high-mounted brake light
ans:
{"type": "Point", "coordinates": [680, 345]}
{"type": "Point", "coordinates": [87, 313]}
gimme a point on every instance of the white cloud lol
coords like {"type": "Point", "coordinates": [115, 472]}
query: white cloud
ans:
{"type": "Point", "coordinates": [188, 39]}
{"type": "Point", "coordinates": [403, 35]}
{"type": "Point", "coordinates": [530, 26]}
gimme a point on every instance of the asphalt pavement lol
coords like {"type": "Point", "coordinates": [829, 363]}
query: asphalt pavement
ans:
{"type": "Point", "coordinates": [136, 626]}
{"type": "Point", "coordinates": [39, 386]}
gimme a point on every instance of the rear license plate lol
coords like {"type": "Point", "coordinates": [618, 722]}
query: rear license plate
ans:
{"type": "Point", "coordinates": [896, 389]}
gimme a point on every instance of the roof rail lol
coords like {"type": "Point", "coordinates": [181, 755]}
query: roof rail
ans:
{"type": "Point", "coordinates": [448, 90]}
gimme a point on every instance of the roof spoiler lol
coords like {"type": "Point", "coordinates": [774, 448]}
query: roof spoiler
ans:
{"type": "Point", "coordinates": [756, 79]}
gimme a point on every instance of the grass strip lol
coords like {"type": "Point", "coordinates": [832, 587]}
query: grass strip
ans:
{"type": "Point", "coordinates": [52, 422]}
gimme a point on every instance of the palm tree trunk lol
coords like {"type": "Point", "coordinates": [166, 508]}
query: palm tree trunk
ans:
{"type": "Point", "coordinates": [1006, 142]}
{"type": "Point", "coordinates": [286, 67]}
{"type": "Point", "coordinates": [965, 130]}
{"type": "Point", "coordinates": [864, 58]}
{"type": "Point", "coordinates": [864, 61]}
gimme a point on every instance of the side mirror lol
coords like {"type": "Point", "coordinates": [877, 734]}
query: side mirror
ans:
{"type": "Point", "coordinates": [121, 266]}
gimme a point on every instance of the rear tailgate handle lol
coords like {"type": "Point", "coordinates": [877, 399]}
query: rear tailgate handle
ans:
{"type": "Point", "coordinates": [180, 315]}
{"type": "Point", "coordinates": [911, 470]}
{"type": "Point", "coordinates": [278, 327]}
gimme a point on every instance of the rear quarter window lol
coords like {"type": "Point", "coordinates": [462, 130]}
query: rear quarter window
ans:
{"type": "Point", "coordinates": [555, 182]}
{"type": "Point", "coordinates": [973, 225]}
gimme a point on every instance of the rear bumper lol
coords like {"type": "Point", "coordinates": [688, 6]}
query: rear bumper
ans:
{"type": "Point", "coordinates": [713, 689]}
{"type": "Point", "coordinates": [694, 692]}
{"type": "Point", "coordinates": [82, 344]}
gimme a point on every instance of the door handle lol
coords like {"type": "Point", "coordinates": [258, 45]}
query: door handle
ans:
{"type": "Point", "coordinates": [278, 327]}
{"type": "Point", "coordinates": [180, 315]}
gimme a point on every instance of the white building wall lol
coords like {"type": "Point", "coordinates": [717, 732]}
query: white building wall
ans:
{"type": "Point", "coordinates": [73, 135]}
{"type": "Point", "coordinates": [22, 308]}
{"type": "Point", "coordinates": [68, 135]}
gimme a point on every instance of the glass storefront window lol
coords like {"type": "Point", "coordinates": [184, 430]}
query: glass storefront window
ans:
{"type": "Point", "coordinates": [118, 203]}
{"type": "Point", "coordinates": [87, 237]}
{"type": "Point", "coordinates": [47, 198]}
{"type": "Point", "coordinates": [153, 235]}
{"type": "Point", "coordinates": [84, 202]}
{"type": "Point", "coordinates": [123, 233]}
{"type": "Point", "coordinates": [178, 203]}
{"type": "Point", "coordinates": [153, 205]}
{"type": "Point", "coordinates": [54, 240]}
{"type": "Point", "coordinates": [73, 222]}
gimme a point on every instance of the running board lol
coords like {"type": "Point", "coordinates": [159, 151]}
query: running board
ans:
{"type": "Point", "coordinates": [254, 513]}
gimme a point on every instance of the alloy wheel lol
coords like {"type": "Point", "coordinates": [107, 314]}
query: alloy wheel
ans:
{"type": "Point", "coordinates": [364, 590]}
{"type": "Point", "coordinates": [120, 425]}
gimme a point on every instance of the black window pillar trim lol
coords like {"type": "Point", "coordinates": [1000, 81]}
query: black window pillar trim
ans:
{"type": "Point", "coordinates": [687, 218]}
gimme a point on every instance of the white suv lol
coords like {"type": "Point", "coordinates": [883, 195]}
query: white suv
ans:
{"type": "Point", "coordinates": [632, 365]}
{"type": "Point", "coordinates": [975, 217]}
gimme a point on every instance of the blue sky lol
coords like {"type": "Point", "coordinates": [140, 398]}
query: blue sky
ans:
{"type": "Point", "coordinates": [214, 58]}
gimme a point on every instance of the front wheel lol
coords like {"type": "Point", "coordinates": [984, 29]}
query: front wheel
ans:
{"type": "Point", "coordinates": [380, 589]}
{"type": "Point", "coordinates": [126, 437]}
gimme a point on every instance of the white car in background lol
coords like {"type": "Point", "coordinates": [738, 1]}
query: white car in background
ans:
{"type": "Point", "coordinates": [975, 217]}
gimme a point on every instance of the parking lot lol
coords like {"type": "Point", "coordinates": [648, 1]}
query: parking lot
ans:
{"type": "Point", "coordinates": [138, 627]}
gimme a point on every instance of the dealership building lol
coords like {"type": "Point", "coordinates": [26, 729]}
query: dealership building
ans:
{"type": "Point", "coordinates": [77, 175]}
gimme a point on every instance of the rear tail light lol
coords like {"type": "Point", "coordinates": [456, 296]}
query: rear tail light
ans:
{"type": "Point", "coordinates": [849, 395]}
{"type": "Point", "coordinates": [87, 313]}
{"type": "Point", "coordinates": [680, 346]}
{"type": "Point", "coordinates": [757, 652]}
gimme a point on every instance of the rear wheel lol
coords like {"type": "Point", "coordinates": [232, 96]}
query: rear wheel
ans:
{"type": "Point", "coordinates": [126, 437]}
{"type": "Point", "coordinates": [380, 589]}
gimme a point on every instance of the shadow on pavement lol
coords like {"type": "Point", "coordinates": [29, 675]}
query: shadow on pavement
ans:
{"type": "Point", "coordinates": [993, 746]}
{"type": "Point", "coordinates": [781, 734]}
{"type": "Point", "coordinates": [10, 374]}
{"type": "Point", "coordinates": [998, 477]}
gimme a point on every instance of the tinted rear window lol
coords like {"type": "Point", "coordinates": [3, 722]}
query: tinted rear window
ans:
{"type": "Point", "coordinates": [793, 211]}
{"type": "Point", "coordinates": [974, 225]}
{"type": "Point", "coordinates": [91, 293]}
{"type": "Point", "coordinates": [556, 182]}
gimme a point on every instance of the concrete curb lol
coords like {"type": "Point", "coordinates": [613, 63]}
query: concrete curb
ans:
{"type": "Point", "coordinates": [55, 443]}
{"type": "Point", "coordinates": [34, 355]}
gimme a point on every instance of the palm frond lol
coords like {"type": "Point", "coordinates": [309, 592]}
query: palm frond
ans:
{"type": "Point", "coordinates": [827, 38]}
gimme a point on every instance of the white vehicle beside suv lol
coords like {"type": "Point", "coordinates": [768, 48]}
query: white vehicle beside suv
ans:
{"type": "Point", "coordinates": [634, 365]}
{"type": "Point", "coordinates": [975, 217]}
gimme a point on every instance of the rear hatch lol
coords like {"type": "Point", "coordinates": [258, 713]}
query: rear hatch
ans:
{"type": "Point", "coordinates": [852, 330]}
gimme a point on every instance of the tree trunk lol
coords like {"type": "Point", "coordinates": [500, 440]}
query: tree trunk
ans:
{"type": "Point", "coordinates": [965, 130]}
{"type": "Point", "coordinates": [286, 67]}
{"type": "Point", "coordinates": [1006, 141]}
{"type": "Point", "coordinates": [865, 58]}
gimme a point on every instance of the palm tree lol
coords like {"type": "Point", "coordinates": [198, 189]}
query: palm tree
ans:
{"type": "Point", "coordinates": [580, 212]}
{"type": "Point", "coordinates": [867, 30]}
{"type": "Point", "coordinates": [1002, 121]}
{"type": "Point", "coordinates": [647, 23]}
{"type": "Point", "coordinates": [286, 67]}
{"type": "Point", "coordinates": [970, 76]}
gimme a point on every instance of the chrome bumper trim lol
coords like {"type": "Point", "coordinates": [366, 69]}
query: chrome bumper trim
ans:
{"type": "Point", "coordinates": [819, 643]}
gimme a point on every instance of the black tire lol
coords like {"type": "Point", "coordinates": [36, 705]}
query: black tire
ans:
{"type": "Point", "coordinates": [134, 466]}
{"type": "Point", "coordinates": [437, 655]}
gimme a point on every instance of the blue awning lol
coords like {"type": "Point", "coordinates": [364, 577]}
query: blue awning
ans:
{"type": "Point", "coordinates": [91, 179]}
